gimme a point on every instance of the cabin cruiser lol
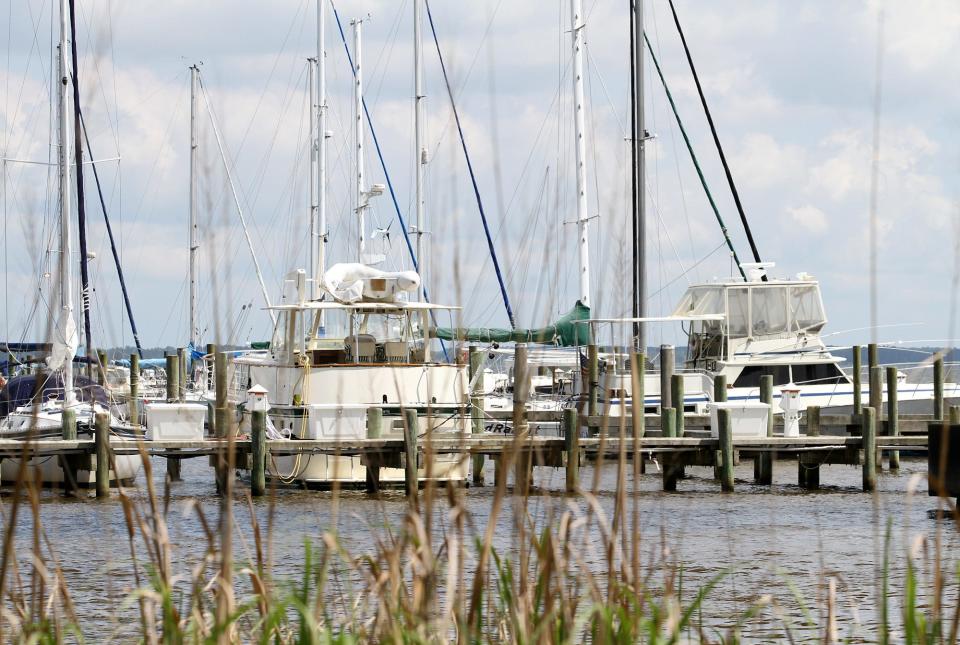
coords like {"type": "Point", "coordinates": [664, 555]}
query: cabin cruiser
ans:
{"type": "Point", "coordinates": [320, 384]}
{"type": "Point", "coordinates": [746, 330]}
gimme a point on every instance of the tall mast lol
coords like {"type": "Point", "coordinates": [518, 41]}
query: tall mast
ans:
{"type": "Point", "coordinates": [637, 147]}
{"type": "Point", "coordinates": [418, 140]}
{"type": "Point", "coordinates": [358, 134]}
{"type": "Point", "coordinates": [314, 205]}
{"type": "Point", "coordinates": [194, 243]}
{"type": "Point", "coordinates": [66, 250]}
{"type": "Point", "coordinates": [321, 143]}
{"type": "Point", "coordinates": [583, 220]}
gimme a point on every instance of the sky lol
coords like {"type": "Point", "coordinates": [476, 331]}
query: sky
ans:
{"type": "Point", "coordinates": [791, 87]}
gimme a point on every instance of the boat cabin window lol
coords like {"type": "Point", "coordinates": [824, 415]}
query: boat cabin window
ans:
{"type": "Point", "coordinates": [750, 376]}
{"type": "Point", "coordinates": [806, 309]}
{"type": "Point", "coordinates": [818, 374]}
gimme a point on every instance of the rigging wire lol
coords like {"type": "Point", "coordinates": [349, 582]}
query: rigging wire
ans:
{"type": "Point", "coordinates": [473, 178]}
{"type": "Point", "coordinates": [693, 157]}
{"type": "Point", "coordinates": [716, 138]}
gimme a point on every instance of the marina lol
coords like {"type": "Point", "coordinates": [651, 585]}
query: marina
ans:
{"type": "Point", "coordinates": [341, 321]}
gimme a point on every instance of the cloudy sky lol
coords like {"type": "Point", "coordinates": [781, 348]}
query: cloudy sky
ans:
{"type": "Point", "coordinates": [791, 86]}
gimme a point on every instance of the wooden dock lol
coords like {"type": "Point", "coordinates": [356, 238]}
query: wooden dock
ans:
{"type": "Point", "coordinates": [854, 441]}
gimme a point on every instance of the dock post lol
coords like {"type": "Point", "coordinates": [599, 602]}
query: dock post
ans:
{"type": "Point", "coordinates": [676, 394]}
{"type": "Point", "coordinates": [571, 444]}
{"type": "Point", "coordinates": [726, 450]}
{"type": "Point", "coordinates": [476, 408]}
{"type": "Point", "coordinates": [221, 417]}
{"type": "Point", "coordinates": [411, 429]}
{"type": "Point", "coordinates": [670, 471]}
{"type": "Point", "coordinates": [763, 465]}
{"type": "Point", "coordinates": [954, 415]}
{"type": "Point", "coordinates": [68, 429]}
{"type": "Point", "coordinates": [873, 359]}
{"type": "Point", "coordinates": [102, 445]}
{"type": "Point", "coordinates": [173, 373]}
{"type": "Point", "coordinates": [183, 375]}
{"type": "Point", "coordinates": [102, 362]}
{"type": "Point", "coordinates": [893, 420]}
{"type": "Point", "coordinates": [638, 372]}
{"type": "Point", "coordinates": [666, 376]}
{"type": "Point", "coordinates": [857, 390]}
{"type": "Point", "coordinates": [876, 391]}
{"type": "Point", "coordinates": [523, 466]}
{"type": "Point", "coordinates": [720, 388]}
{"type": "Point", "coordinates": [869, 431]}
{"type": "Point", "coordinates": [134, 410]}
{"type": "Point", "coordinates": [593, 380]}
{"type": "Point", "coordinates": [808, 474]}
{"type": "Point", "coordinates": [938, 388]}
{"type": "Point", "coordinates": [173, 394]}
{"type": "Point", "coordinates": [258, 450]}
{"type": "Point", "coordinates": [211, 353]}
{"type": "Point", "coordinates": [374, 430]}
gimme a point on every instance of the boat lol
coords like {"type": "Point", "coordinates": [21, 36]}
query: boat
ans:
{"type": "Point", "coordinates": [322, 387]}
{"type": "Point", "coordinates": [40, 413]}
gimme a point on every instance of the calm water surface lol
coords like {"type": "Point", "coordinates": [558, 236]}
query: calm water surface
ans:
{"type": "Point", "coordinates": [766, 535]}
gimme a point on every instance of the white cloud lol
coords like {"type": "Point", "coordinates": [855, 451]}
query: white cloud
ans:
{"type": "Point", "coordinates": [809, 218]}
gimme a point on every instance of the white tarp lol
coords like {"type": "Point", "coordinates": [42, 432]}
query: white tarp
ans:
{"type": "Point", "coordinates": [351, 282]}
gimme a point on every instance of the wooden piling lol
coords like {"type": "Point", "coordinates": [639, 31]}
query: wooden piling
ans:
{"type": "Point", "coordinates": [374, 430]}
{"type": "Point", "coordinates": [476, 408]}
{"type": "Point", "coordinates": [523, 464]}
{"type": "Point", "coordinates": [763, 465]}
{"type": "Point", "coordinates": [68, 463]}
{"type": "Point", "coordinates": [808, 470]}
{"type": "Point", "coordinates": [726, 450]}
{"type": "Point", "coordinates": [873, 356]}
{"type": "Point", "coordinates": [183, 374]}
{"type": "Point", "coordinates": [869, 431]}
{"type": "Point", "coordinates": [173, 373]}
{"type": "Point", "coordinates": [876, 391]}
{"type": "Point", "coordinates": [258, 453]}
{"type": "Point", "coordinates": [954, 415]}
{"type": "Point", "coordinates": [68, 425]}
{"type": "Point", "coordinates": [670, 471]}
{"type": "Point", "coordinates": [666, 376]}
{"type": "Point", "coordinates": [593, 380]}
{"type": "Point", "coordinates": [676, 394]}
{"type": "Point", "coordinates": [719, 388]}
{"type": "Point", "coordinates": [221, 418]}
{"type": "Point", "coordinates": [938, 388]}
{"type": "Point", "coordinates": [411, 431]}
{"type": "Point", "coordinates": [134, 409]}
{"type": "Point", "coordinates": [102, 363]}
{"type": "Point", "coordinates": [571, 444]}
{"type": "Point", "coordinates": [101, 439]}
{"type": "Point", "coordinates": [857, 367]}
{"type": "Point", "coordinates": [893, 415]}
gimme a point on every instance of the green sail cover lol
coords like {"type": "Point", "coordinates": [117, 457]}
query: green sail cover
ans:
{"type": "Point", "coordinates": [565, 332]}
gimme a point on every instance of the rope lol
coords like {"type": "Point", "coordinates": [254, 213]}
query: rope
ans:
{"type": "Point", "coordinates": [473, 177]}
{"type": "Point", "coordinates": [693, 157]}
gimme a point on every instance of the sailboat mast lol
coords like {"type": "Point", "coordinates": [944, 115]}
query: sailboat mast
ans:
{"type": "Point", "coordinates": [358, 134]}
{"type": "Point", "coordinates": [583, 220]}
{"type": "Point", "coordinates": [418, 140]}
{"type": "Point", "coordinates": [194, 239]}
{"type": "Point", "coordinates": [637, 146]}
{"type": "Point", "coordinates": [314, 204]}
{"type": "Point", "coordinates": [66, 244]}
{"type": "Point", "coordinates": [321, 143]}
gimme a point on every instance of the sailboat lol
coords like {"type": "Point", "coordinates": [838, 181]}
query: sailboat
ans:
{"type": "Point", "coordinates": [353, 338]}
{"type": "Point", "coordinates": [60, 391]}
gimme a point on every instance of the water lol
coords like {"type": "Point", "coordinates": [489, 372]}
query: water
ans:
{"type": "Point", "coordinates": [766, 536]}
